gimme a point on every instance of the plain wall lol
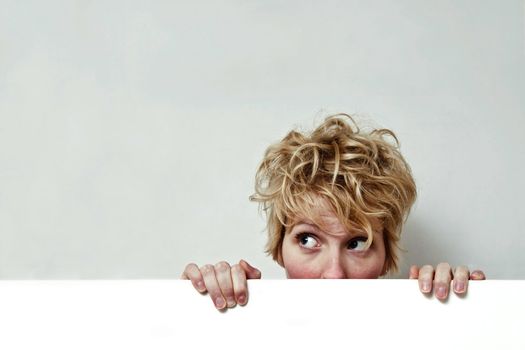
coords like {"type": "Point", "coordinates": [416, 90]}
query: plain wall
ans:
{"type": "Point", "coordinates": [130, 132]}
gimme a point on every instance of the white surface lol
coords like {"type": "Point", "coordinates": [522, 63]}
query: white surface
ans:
{"type": "Point", "coordinates": [302, 314]}
{"type": "Point", "coordinates": [130, 131]}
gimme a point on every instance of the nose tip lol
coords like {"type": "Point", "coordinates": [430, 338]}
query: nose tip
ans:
{"type": "Point", "coordinates": [334, 270]}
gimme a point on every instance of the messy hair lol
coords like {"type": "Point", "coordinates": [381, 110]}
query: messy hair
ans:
{"type": "Point", "coordinates": [360, 175]}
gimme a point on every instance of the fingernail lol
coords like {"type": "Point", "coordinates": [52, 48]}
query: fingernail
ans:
{"type": "Point", "coordinates": [200, 285]}
{"type": "Point", "coordinates": [219, 303]}
{"type": "Point", "coordinates": [242, 299]}
{"type": "Point", "coordinates": [425, 286]}
{"type": "Point", "coordinates": [460, 287]}
{"type": "Point", "coordinates": [231, 302]}
{"type": "Point", "coordinates": [441, 292]}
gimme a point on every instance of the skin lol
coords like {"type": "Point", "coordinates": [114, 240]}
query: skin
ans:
{"type": "Point", "coordinates": [332, 252]}
{"type": "Point", "coordinates": [438, 279]}
{"type": "Point", "coordinates": [225, 284]}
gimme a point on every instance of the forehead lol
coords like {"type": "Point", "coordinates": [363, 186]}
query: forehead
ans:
{"type": "Point", "coordinates": [323, 216]}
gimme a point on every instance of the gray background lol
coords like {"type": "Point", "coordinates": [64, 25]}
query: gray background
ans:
{"type": "Point", "coordinates": [130, 132]}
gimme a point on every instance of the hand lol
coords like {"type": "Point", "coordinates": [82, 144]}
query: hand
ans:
{"type": "Point", "coordinates": [226, 284]}
{"type": "Point", "coordinates": [439, 280]}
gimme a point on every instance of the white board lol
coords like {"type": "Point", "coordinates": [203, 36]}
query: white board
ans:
{"type": "Point", "coordinates": [305, 314]}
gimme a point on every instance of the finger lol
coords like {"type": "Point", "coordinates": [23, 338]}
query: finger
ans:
{"type": "Point", "coordinates": [223, 274]}
{"type": "Point", "coordinates": [240, 285]}
{"type": "Point", "coordinates": [461, 277]}
{"type": "Point", "coordinates": [442, 279]}
{"type": "Point", "coordinates": [477, 275]}
{"type": "Point", "coordinates": [251, 272]}
{"type": "Point", "coordinates": [210, 280]}
{"type": "Point", "coordinates": [425, 278]}
{"type": "Point", "coordinates": [193, 273]}
{"type": "Point", "coordinates": [414, 272]}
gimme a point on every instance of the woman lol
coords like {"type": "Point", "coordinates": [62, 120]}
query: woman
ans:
{"type": "Point", "coordinates": [335, 200]}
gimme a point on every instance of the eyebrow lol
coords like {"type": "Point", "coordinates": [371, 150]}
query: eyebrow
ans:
{"type": "Point", "coordinates": [307, 223]}
{"type": "Point", "coordinates": [311, 224]}
{"type": "Point", "coordinates": [302, 222]}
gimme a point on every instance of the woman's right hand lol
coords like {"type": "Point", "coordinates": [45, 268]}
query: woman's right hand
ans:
{"type": "Point", "coordinates": [226, 284]}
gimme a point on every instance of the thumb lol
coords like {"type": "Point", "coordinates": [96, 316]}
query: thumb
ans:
{"type": "Point", "coordinates": [477, 275]}
{"type": "Point", "coordinates": [414, 272]}
{"type": "Point", "coordinates": [251, 272]}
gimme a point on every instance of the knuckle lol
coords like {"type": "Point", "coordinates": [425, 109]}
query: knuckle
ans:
{"type": "Point", "coordinates": [222, 266]}
{"type": "Point", "coordinates": [207, 269]}
{"type": "Point", "coordinates": [461, 271]}
{"type": "Point", "coordinates": [426, 272]}
{"type": "Point", "coordinates": [190, 267]}
{"type": "Point", "coordinates": [191, 272]}
{"type": "Point", "coordinates": [236, 269]}
{"type": "Point", "coordinates": [426, 268]}
{"type": "Point", "coordinates": [443, 265]}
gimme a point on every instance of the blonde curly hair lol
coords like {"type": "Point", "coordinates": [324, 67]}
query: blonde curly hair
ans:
{"type": "Point", "coordinates": [361, 176]}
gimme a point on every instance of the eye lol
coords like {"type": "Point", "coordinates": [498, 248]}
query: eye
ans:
{"type": "Point", "coordinates": [307, 240]}
{"type": "Point", "coordinates": [358, 243]}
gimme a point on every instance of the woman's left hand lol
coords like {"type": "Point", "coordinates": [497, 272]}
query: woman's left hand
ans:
{"type": "Point", "coordinates": [438, 279]}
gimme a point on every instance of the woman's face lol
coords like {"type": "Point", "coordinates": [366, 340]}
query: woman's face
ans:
{"type": "Point", "coordinates": [309, 252]}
